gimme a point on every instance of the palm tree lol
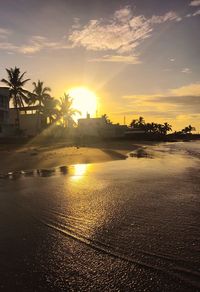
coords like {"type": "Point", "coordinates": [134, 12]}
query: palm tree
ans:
{"type": "Point", "coordinates": [166, 128]}
{"type": "Point", "coordinates": [18, 94]}
{"type": "Point", "coordinates": [50, 110]}
{"type": "Point", "coordinates": [39, 95]}
{"type": "Point", "coordinates": [188, 130]}
{"type": "Point", "coordinates": [149, 127]}
{"type": "Point", "coordinates": [66, 111]}
{"type": "Point", "coordinates": [141, 122]}
{"type": "Point", "coordinates": [133, 123]}
{"type": "Point", "coordinates": [138, 123]}
{"type": "Point", "coordinates": [106, 118]}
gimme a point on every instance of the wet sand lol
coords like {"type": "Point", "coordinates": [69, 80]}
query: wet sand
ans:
{"type": "Point", "coordinates": [31, 157]}
{"type": "Point", "coordinates": [129, 225]}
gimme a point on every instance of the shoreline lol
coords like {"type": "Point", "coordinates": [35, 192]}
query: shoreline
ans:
{"type": "Point", "coordinates": [27, 157]}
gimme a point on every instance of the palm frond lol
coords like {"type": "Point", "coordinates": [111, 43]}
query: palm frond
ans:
{"type": "Point", "coordinates": [6, 82]}
{"type": "Point", "coordinates": [22, 75]}
{"type": "Point", "coordinates": [24, 81]}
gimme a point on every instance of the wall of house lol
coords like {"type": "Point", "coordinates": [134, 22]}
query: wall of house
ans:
{"type": "Point", "coordinates": [7, 130]}
{"type": "Point", "coordinates": [97, 127]}
{"type": "Point", "coordinates": [91, 126]}
{"type": "Point", "coordinates": [4, 105]}
{"type": "Point", "coordinates": [30, 123]}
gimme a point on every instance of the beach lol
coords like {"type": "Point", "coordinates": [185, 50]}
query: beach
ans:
{"type": "Point", "coordinates": [121, 225]}
{"type": "Point", "coordinates": [30, 156]}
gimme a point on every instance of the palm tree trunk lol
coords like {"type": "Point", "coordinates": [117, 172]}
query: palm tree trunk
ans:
{"type": "Point", "coordinates": [38, 114]}
{"type": "Point", "coordinates": [17, 121]}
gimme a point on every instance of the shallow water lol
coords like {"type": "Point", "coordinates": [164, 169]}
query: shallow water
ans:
{"type": "Point", "coordinates": [130, 225]}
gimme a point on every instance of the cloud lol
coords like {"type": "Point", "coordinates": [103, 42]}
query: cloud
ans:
{"type": "Point", "coordinates": [76, 23]}
{"type": "Point", "coordinates": [195, 3]}
{"type": "Point", "coordinates": [4, 33]}
{"type": "Point", "coordinates": [169, 16]}
{"type": "Point", "coordinates": [136, 98]}
{"type": "Point", "coordinates": [34, 45]}
{"type": "Point", "coordinates": [184, 100]}
{"type": "Point", "coordinates": [113, 36]}
{"type": "Point", "coordinates": [191, 89]}
{"type": "Point", "coordinates": [119, 36]}
{"type": "Point", "coordinates": [186, 70]}
{"type": "Point", "coordinates": [144, 113]}
{"type": "Point", "coordinates": [178, 106]}
{"type": "Point", "coordinates": [117, 59]}
{"type": "Point", "coordinates": [123, 15]}
{"type": "Point", "coordinates": [37, 43]}
{"type": "Point", "coordinates": [122, 33]}
{"type": "Point", "coordinates": [8, 46]}
{"type": "Point", "coordinates": [196, 13]}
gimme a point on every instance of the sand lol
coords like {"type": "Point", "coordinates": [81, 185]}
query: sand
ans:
{"type": "Point", "coordinates": [126, 225]}
{"type": "Point", "coordinates": [29, 157]}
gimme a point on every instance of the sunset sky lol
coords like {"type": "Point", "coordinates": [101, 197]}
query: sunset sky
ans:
{"type": "Point", "coordinates": [140, 57]}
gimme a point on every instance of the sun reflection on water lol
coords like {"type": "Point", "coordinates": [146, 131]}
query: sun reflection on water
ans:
{"type": "Point", "coordinates": [79, 170]}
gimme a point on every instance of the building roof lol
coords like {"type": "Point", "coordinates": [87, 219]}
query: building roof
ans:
{"type": "Point", "coordinates": [89, 119]}
{"type": "Point", "coordinates": [4, 91]}
{"type": "Point", "coordinates": [27, 108]}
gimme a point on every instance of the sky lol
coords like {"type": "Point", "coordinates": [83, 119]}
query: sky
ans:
{"type": "Point", "coordinates": [140, 57]}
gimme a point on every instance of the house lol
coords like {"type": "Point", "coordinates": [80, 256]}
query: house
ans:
{"type": "Point", "coordinates": [99, 127]}
{"type": "Point", "coordinates": [30, 121]}
{"type": "Point", "coordinates": [5, 127]}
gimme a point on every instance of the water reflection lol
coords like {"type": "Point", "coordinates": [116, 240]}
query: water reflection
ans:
{"type": "Point", "coordinates": [45, 172]}
{"type": "Point", "coordinates": [79, 170]}
{"type": "Point", "coordinates": [28, 172]}
{"type": "Point", "coordinates": [140, 211]}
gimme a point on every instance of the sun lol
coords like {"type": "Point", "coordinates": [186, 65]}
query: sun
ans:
{"type": "Point", "coordinates": [84, 100]}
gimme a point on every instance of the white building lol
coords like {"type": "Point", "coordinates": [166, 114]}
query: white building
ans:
{"type": "Point", "coordinates": [30, 121]}
{"type": "Point", "coordinates": [5, 127]}
{"type": "Point", "coordinates": [99, 127]}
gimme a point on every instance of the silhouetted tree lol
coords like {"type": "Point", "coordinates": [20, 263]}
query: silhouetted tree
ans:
{"type": "Point", "coordinates": [138, 123]}
{"type": "Point", "coordinates": [150, 127]}
{"type": "Point", "coordinates": [50, 109]}
{"type": "Point", "coordinates": [65, 110]}
{"type": "Point", "coordinates": [188, 129]}
{"type": "Point", "coordinates": [107, 120]}
{"type": "Point", "coordinates": [133, 123]}
{"type": "Point", "coordinates": [141, 122]}
{"type": "Point", "coordinates": [18, 94]}
{"type": "Point", "coordinates": [167, 128]}
{"type": "Point", "coordinates": [39, 95]}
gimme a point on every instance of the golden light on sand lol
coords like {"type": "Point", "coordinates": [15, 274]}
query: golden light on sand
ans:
{"type": "Point", "coordinates": [84, 100]}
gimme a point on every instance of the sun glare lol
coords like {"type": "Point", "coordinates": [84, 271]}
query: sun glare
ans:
{"type": "Point", "coordinates": [79, 171]}
{"type": "Point", "coordinates": [84, 100]}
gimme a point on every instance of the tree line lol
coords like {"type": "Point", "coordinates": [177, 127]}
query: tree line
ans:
{"type": "Point", "coordinates": [61, 110]}
{"type": "Point", "coordinates": [55, 110]}
{"type": "Point", "coordinates": [156, 128]}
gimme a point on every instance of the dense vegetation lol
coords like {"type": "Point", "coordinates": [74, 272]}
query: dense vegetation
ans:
{"type": "Point", "coordinates": [155, 128]}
